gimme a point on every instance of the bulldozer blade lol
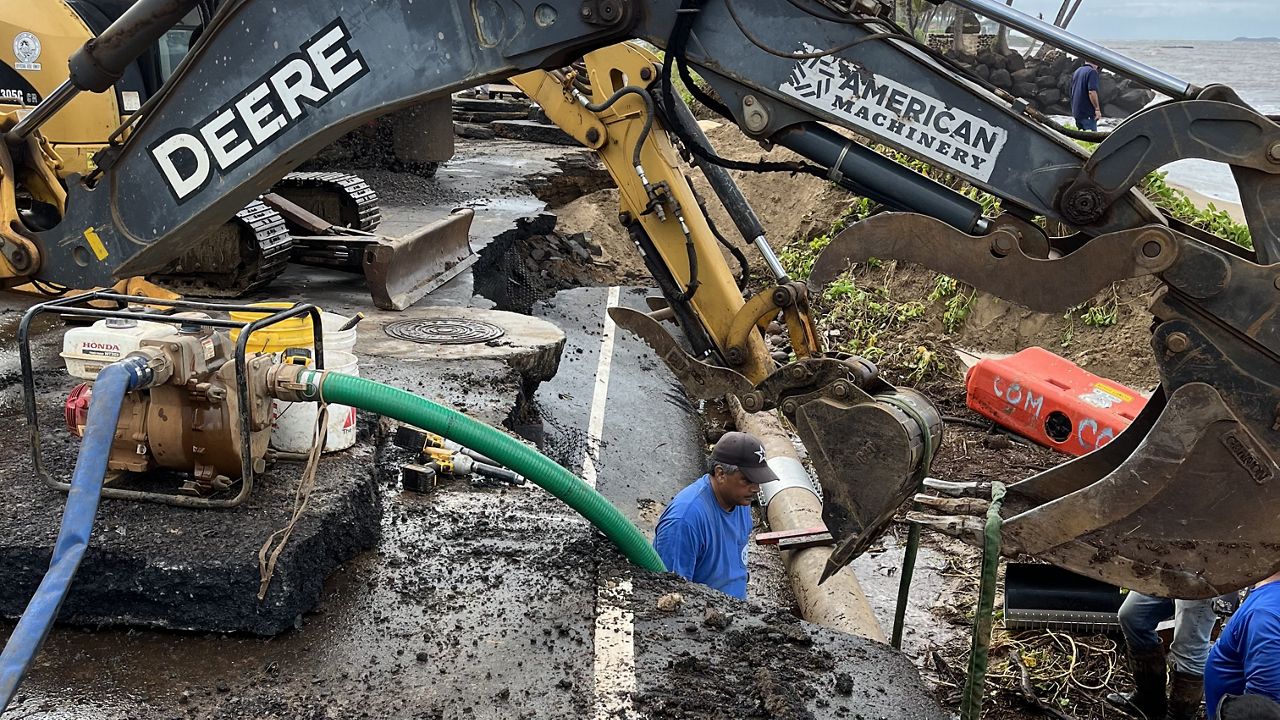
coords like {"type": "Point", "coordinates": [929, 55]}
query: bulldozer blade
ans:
{"type": "Point", "coordinates": [1184, 510]}
{"type": "Point", "coordinates": [401, 271]}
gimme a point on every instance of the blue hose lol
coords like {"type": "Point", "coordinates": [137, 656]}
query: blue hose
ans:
{"type": "Point", "coordinates": [109, 390]}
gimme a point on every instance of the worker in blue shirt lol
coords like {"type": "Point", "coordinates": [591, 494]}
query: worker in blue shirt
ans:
{"type": "Point", "coordinates": [1085, 107]}
{"type": "Point", "coordinates": [702, 535]}
{"type": "Point", "coordinates": [1246, 658]}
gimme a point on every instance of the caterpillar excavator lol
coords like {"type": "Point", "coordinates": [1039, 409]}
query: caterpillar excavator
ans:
{"type": "Point", "coordinates": [1182, 504]}
{"type": "Point", "coordinates": [254, 245]}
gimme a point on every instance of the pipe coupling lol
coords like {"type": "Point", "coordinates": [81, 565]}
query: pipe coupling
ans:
{"type": "Point", "coordinates": [292, 382]}
{"type": "Point", "coordinates": [791, 474]}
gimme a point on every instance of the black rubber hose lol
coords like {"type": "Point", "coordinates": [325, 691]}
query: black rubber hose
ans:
{"type": "Point", "coordinates": [648, 115]}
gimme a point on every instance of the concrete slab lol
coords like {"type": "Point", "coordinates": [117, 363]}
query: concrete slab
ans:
{"type": "Point", "coordinates": [528, 345]}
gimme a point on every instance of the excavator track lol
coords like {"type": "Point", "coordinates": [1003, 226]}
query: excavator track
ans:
{"type": "Point", "coordinates": [253, 249]}
{"type": "Point", "coordinates": [341, 199]}
{"type": "Point", "coordinates": [240, 256]}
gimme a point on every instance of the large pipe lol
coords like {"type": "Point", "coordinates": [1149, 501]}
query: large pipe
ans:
{"type": "Point", "coordinates": [1054, 35]}
{"type": "Point", "coordinates": [839, 603]}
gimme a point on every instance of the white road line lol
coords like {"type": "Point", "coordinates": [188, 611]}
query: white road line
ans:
{"type": "Point", "coordinates": [614, 639]}
{"type": "Point", "coordinates": [595, 422]}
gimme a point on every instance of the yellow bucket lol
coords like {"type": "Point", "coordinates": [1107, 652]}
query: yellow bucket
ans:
{"type": "Point", "coordinates": [292, 333]}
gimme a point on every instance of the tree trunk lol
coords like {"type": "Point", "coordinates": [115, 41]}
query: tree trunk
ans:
{"type": "Point", "coordinates": [1067, 8]}
{"type": "Point", "coordinates": [1072, 13]}
{"type": "Point", "coordinates": [1002, 37]}
{"type": "Point", "coordinates": [957, 32]}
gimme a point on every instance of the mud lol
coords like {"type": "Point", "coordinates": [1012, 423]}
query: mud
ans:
{"type": "Point", "coordinates": [575, 175]}
{"type": "Point", "coordinates": [717, 657]}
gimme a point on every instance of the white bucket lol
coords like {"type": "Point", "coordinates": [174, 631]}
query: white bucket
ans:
{"type": "Point", "coordinates": [293, 424]}
{"type": "Point", "coordinates": [336, 340]}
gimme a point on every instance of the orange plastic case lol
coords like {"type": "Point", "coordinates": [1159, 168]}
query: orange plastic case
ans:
{"type": "Point", "coordinates": [1051, 400]}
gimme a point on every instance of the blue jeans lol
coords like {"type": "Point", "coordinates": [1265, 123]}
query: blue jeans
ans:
{"type": "Point", "coordinates": [1192, 628]}
{"type": "Point", "coordinates": [1090, 123]}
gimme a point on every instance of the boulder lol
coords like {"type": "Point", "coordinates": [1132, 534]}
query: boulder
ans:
{"type": "Point", "coordinates": [1000, 78]}
{"type": "Point", "coordinates": [982, 71]}
{"type": "Point", "coordinates": [1048, 98]}
{"type": "Point", "coordinates": [1132, 100]}
{"type": "Point", "coordinates": [1026, 75]}
{"type": "Point", "coordinates": [1064, 85]}
{"type": "Point", "coordinates": [1062, 64]}
{"type": "Point", "coordinates": [1024, 90]}
{"type": "Point", "coordinates": [1107, 89]}
{"type": "Point", "coordinates": [1014, 61]}
{"type": "Point", "coordinates": [1060, 108]}
{"type": "Point", "coordinates": [998, 62]}
{"type": "Point", "coordinates": [1047, 81]}
{"type": "Point", "coordinates": [1114, 111]}
{"type": "Point", "coordinates": [986, 57]}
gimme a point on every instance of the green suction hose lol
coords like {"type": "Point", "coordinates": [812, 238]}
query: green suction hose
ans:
{"type": "Point", "coordinates": [422, 413]}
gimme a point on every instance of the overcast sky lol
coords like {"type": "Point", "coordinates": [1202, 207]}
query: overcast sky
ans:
{"type": "Point", "coordinates": [1166, 19]}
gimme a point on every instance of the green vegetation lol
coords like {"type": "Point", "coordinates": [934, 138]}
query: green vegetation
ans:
{"type": "Point", "coordinates": [860, 315]}
{"type": "Point", "coordinates": [955, 300]}
{"type": "Point", "coordinates": [1176, 203]}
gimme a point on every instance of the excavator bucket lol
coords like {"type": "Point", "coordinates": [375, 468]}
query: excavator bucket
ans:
{"type": "Point", "coordinates": [402, 270]}
{"type": "Point", "coordinates": [1182, 504]}
{"type": "Point", "coordinates": [1178, 505]}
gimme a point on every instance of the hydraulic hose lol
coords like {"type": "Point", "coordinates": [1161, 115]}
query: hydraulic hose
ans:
{"type": "Point", "coordinates": [422, 413]}
{"type": "Point", "coordinates": [113, 382]}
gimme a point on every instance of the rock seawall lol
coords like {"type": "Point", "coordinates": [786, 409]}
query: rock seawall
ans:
{"type": "Point", "coordinates": [1045, 83]}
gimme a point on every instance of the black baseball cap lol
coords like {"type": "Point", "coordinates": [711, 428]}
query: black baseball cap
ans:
{"type": "Point", "coordinates": [745, 451]}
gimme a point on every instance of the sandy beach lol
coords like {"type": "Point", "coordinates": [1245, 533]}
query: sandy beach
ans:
{"type": "Point", "coordinates": [1201, 200]}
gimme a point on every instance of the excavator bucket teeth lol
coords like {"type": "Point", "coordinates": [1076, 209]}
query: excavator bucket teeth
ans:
{"type": "Point", "coordinates": [402, 270]}
{"type": "Point", "coordinates": [700, 380]}
{"type": "Point", "coordinates": [1180, 505]}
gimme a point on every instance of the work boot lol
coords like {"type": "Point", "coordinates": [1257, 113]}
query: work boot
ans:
{"type": "Point", "coordinates": [1185, 695]}
{"type": "Point", "coordinates": [1147, 701]}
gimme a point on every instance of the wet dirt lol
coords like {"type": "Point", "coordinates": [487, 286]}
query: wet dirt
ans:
{"type": "Point", "coordinates": [711, 656]}
{"type": "Point", "coordinates": [368, 147]}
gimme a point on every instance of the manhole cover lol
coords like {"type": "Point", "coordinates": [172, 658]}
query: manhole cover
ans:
{"type": "Point", "coordinates": [444, 331]}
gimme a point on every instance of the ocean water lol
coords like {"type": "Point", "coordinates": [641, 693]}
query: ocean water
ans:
{"type": "Point", "coordinates": [1247, 67]}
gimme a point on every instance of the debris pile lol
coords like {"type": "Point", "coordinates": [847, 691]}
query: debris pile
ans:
{"type": "Point", "coordinates": [514, 118]}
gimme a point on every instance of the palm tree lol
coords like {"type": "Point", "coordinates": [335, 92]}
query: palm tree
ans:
{"type": "Point", "coordinates": [1066, 11]}
{"type": "Point", "coordinates": [1002, 37]}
